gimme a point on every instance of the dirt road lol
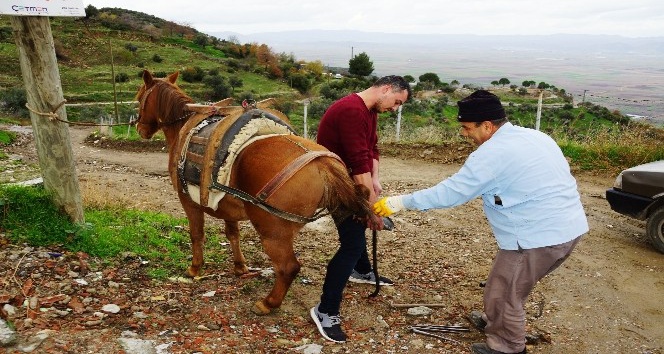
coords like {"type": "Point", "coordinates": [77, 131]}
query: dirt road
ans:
{"type": "Point", "coordinates": [607, 298]}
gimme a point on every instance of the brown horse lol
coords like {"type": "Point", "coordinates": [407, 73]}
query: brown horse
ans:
{"type": "Point", "coordinates": [320, 183]}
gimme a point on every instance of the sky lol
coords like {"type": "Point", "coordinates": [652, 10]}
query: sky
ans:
{"type": "Point", "coordinates": [628, 18]}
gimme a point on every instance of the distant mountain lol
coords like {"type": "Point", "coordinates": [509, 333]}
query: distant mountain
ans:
{"type": "Point", "coordinates": [558, 42]}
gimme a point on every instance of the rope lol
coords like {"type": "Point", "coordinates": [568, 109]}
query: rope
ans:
{"type": "Point", "coordinates": [52, 116]}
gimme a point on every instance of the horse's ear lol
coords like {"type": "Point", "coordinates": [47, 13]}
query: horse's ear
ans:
{"type": "Point", "coordinates": [147, 77]}
{"type": "Point", "coordinates": [172, 77]}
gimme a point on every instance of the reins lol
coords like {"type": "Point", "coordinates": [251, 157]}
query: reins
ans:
{"type": "Point", "coordinates": [374, 251]}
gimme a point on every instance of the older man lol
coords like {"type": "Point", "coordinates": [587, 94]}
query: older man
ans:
{"type": "Point", "coordinates": [531, 201]}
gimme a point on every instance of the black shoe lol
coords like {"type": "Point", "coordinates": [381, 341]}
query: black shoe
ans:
{"type": "Point", "coordinates": [475, 318]}
{"type": "Point", "coordinates": [328, 326]}
{"type": "Point", "coordinates": [483, 348]}
{"type": "Point", "coordinates": [368, 278]}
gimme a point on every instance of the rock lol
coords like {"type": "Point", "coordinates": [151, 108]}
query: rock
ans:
{"type": "Point", "coordinates": [9, 309]}
{"type": "Point", "coordinates": [111, 308]}
{"type": "Point", "coordinates": [310, 348]}
{"type": "Point", "coordinates": [209, 294]}
{"type": "Point", "coordinates": [33, 342]}
{"type": "Point", "coordinates": [419, 311]}
{"type": "Point", "coordinates": [7, 335]}
{"type": "Point", "coordinates": [381, 322]}
{"type": "Point", "coordinates": [129, 334]}
{"type": "Point", "coordinates": [417, 343]}
{"type": "Point", "coordinates": [112, 284]}
{"type": "Point", "coordinates": [137, 346]}
{"type": "Point", "coordinates": [140, 315]}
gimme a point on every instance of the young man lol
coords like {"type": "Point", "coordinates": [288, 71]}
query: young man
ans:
{"type": "Point", "coordinates": [531, 201]}
{"type": "Point", "coordinates": [348, 128]}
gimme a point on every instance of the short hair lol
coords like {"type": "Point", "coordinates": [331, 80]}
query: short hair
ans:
{"type": "Point", "coordinates": [397, 83]}
{"type": "Point", "coordinates": [497, 122]}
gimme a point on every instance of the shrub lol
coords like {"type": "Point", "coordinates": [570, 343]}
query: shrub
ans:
{"type": "Point", "coordinates": [121, 77]}
{"type": "Point", "coordinates": [130, 47]}
{"type": "Point", "coordinates": [14, 101]}
{"type": "Point", "coordinates": [194, 74]}
{"type": "Point", "coordinates": [157, 59]}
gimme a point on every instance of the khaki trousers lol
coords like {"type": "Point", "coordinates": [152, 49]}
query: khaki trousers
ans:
{"type": "Point", "coordinates": [512, 278]}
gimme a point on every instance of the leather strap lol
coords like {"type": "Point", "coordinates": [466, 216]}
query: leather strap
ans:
{"type": "Point", "coordinates": [287, 172]}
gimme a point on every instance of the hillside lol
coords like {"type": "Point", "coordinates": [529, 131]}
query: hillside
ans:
{"type": "Point", "coordinates": [139, 41]}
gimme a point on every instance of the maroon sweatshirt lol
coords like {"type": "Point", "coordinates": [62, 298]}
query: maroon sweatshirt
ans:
{"type": "Point", "coordinates": [348, 129]}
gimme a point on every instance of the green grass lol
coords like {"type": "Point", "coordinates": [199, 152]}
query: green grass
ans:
{"type": "Point", "coordinates": [6, 137]}
{"type": "Point", "coordinates": [108, 232]}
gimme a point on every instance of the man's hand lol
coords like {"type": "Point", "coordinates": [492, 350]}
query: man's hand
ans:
{"type": "Point", "coordinates": [389, 205]}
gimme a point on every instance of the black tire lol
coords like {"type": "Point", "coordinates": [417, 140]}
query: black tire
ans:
{"type": "Point", "coordinates": [655, 228]}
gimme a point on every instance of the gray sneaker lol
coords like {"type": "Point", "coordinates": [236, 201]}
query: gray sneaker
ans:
{"type": "Point", "coordinates": [368, 278]}
{"type": "Point", "coordinates": [328, 326]}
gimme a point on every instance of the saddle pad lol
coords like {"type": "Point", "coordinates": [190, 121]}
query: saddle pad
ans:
{"type": "Point", "coordinates": [211, 147]}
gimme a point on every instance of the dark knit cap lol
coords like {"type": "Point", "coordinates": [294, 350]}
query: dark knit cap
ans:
{"type": "Point", "coordinates": [480, 106]}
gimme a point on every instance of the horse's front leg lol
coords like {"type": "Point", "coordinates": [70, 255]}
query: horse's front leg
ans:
{"type": "Point", "coordinates": [196, 219]}
{"type": "Point", "coordinates": [286, 267]}
{"type": "Point", "coordinates": [233, 235]}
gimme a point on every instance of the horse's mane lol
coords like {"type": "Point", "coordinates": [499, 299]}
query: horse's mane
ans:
{"type": "Point", "coordinates": [173, 100]}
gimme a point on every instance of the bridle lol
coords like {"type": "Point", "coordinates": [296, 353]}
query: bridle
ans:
{"type": "Point", "coordinates": [141, 107]}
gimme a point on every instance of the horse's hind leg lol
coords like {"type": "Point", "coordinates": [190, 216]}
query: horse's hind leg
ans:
{"type": "Point", "coordinates": [233, 235]}
{"type": "Point", "coordinates": [196, 233]}
{"type": "Point", "coordinates": [286, 267]}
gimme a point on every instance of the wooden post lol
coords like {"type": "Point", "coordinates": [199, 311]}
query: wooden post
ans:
{"type": "Point", "coordinates": [539, 110]}
{"type": "Point", "coordinates": [398, 135]}
{"type": "Point", "coordinates": [41, 77]}
{"type": "Point", "coordinates": [305, 128]}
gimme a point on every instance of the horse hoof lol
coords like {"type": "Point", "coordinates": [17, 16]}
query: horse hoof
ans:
{"type": "Point", "coordinates": [260, 309]}
{"type": "Point", "coordinates": [240, 270]}
{"type": "Point", "coordinates": [193, 273]}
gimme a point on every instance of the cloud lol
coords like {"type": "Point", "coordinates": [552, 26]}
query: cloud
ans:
{"type": "Point", "coordinates": [636, 18]}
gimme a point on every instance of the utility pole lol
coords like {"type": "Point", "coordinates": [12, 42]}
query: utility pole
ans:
{"type": "Point", "coordinates": [115, 94]}
{"type": "Point", "coordinates": [41, 78]}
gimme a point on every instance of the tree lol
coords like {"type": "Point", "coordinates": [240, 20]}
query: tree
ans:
{"type": "Point", "coordinates": [360, 65]}
{"type": "Point", "coordinates": [301, 82]}
{"type": "Point", "coordinates": [314, 68]}
{"type": "Point", "coordinates": [528, 83]}
{"type": "Point", "coordinates": [91, 11]}
{"type": "Point", "coordinates": [429, 80]}
{"type": "Point", "coordinates": [201, 40]}
{"type": "Point", "coordinates": [235, 81]}
{"type": "Point", "coordinates": [494, 83]}
{"type": "Point", "coordinates": [504, 81]}
{"type": "Point", "coordinates": [409, 78]}
{"type": "Point", "coordinates": [543, 85]}
{"type": "Point", "coordinates": [218, 85]}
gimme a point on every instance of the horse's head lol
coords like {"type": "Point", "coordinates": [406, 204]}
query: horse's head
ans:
{"type": "Point", "coordinates": [150, 118]}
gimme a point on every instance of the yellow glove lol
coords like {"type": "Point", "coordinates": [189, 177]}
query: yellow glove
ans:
{"type": "Point", "coordinates": [388, 206]}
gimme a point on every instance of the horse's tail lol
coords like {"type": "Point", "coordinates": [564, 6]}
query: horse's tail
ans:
{"type": "Point", "coordinates": [342, 195]}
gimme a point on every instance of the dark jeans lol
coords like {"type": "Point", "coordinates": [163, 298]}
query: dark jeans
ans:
{"type": "Point", "coordinates": [352, 254]}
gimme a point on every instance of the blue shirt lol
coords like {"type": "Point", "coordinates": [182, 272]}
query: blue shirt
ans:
{"type": "Point", "coordinates": [529, 196]}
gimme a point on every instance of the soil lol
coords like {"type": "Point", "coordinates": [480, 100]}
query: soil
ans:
{"type": "Point", "coordinates": [606, 298]}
